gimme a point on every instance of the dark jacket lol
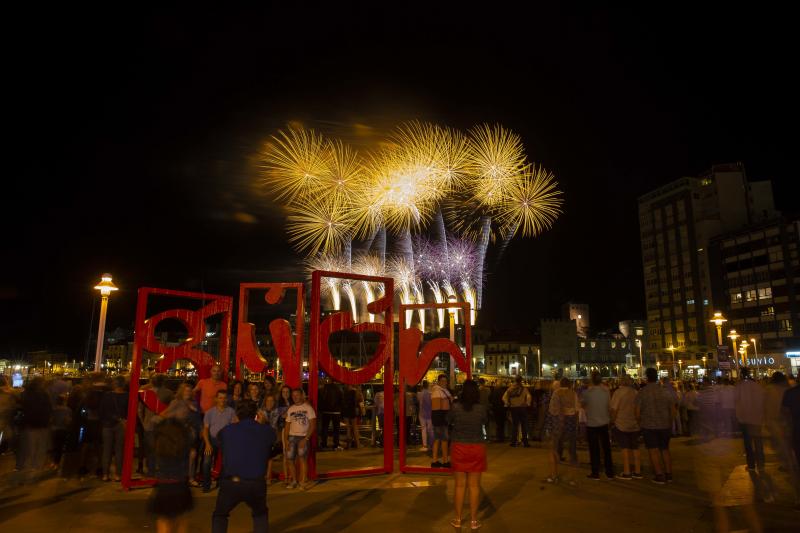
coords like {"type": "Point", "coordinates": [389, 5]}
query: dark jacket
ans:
{"type": "Point", "coordinates": [330, 399]}
{"type": "Point", "coordinates": [113, 408]}
{"type": "Point", "coordinates": [36, 409]}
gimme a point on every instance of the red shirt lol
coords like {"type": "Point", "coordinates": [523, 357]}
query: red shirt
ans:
{"type": "Point", "coordinates": [208, 391]}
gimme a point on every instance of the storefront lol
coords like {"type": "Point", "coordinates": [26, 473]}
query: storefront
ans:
{"type": "Point", "coordinates": [793, 362]}
{"type": "Point", "coordinates": [765, 365]}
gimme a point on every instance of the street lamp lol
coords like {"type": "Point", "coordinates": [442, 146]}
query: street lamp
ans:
{"type": "Point", "coordinates": [658, 367]}
{"type": "Point", "coordinates": [451, 299]}
{"type": "Point", "coordinates": [641, 362]}
{"type": "Point", "coordinates": [755, 351]}
{"type": "Point", "coordinates": [672, 349]}
{"type": "Point", "coordinates": [719, 320]}
{"type": "Point", "coordinates": [106, 287]}
{"type": "Point", "coordinates": [680, 368]}
{"type": "Point", "coordinates": [732, 335]}
{"type": "Point", "coordinates": [743, 350]}
{"type": "Point", "coordinates": [539, 359]}
{"type": "Point", "coordinates": [705, 367]}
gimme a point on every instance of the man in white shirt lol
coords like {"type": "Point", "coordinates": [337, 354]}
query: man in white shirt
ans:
{"type": "Point", "coordinates": [301, 421]}
{"type": "Point", "coordinates": [595, 401]}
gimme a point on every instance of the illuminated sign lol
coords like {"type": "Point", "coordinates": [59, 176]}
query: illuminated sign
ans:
{"type": "Point", "coordinates": [792, 354]}
{"type": "Point", "coordinates": [761, 361]}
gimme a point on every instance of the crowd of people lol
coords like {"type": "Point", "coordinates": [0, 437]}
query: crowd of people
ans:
{"type": "Point", "coordinates": [50, 419]}
{"type": "Point", "coordinates": [232, 433]}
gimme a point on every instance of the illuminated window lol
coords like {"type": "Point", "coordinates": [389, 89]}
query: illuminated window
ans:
{"type": "Point", "coordinates": [613, 344]}
{"type": "Point", "coordinates": [639, 332]}
{"type": "Point", "coordinates": [768, 311]}
{"type": "Point", "coordinates": [623, 344]}
{"type": "Point", "coordinates": [750, 295]}
{"type": "Point", "coordinates": [785, 325]}
{"type": "Point", "coordinates": [765, 293]}
{"type": "Point", "coordinates": [594, 344]}
{"type": "Point", "coordinates": [583, 344]}
{"type": "Point", "coordinates": [689, 302]}
{"type": "Point", "coordinates": [705, 301]}
{"type": "Point", "coordinates": [736, 298]}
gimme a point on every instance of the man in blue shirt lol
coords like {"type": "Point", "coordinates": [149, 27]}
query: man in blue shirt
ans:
{"type": "Point", "coordinates": [214, 420]}
{"type": "Point", "coordinates": [246, 447]}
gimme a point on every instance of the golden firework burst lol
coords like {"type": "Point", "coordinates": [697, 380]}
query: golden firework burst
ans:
{"type": "Point", "coordinates": [320, 225]}
{"type": "Point", "coordinates": [295, 162]}
{"type": "Point", "coordinates": [532, 204]}
{"type": "Point", "coordinates": [344, 176]}
{"type": "Point", "coordinates": [497, 160]}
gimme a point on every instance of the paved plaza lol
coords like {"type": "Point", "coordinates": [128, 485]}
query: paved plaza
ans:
{"type": "Point", "coordinates": [516, 499]}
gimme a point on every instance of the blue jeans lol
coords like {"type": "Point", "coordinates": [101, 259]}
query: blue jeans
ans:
{"type": "Point", "coordinates": [519, 423]}
{"type": "Point", "coordinates": [208, 460]}
{"type": "Point", "coordinates": [753, 445]}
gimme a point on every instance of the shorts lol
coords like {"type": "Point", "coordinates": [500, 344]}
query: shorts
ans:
{"type": "Point", "coordinates": [294, 450]}
{"type": "Point", "coordinates": [628, 440]}
{"type": "Point", "coordinates": [468, 457]}
{"type": "Point", "coordinates": [563, 431]}
{"type": "Point", "coordinates": [439, 417]}
{"type": "Point", "coordinates": [657, 438]}
{"type": "Point", "coordinates": [440, 433]}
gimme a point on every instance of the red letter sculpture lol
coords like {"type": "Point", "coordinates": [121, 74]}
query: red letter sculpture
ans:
{"type": "Point", "coordinates": [145, 339]}
{"type": "Point", "coordinates": [383, 357]}
{"type": "Point", "coordinates": [414, 363]}
{"type": "Point", "coordinates": [290, 353]}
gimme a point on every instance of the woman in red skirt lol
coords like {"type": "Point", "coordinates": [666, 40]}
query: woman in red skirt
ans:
{"type": "Point", "coordinates": [468, 452]}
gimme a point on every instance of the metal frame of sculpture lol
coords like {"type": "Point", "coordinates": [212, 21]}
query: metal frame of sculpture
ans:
{"type": "Point", "coordinates": [144, 339]}
{"type": "Point", "coordinates": [415, 359]}
{"type": "Point", "coordinates": [320, 358]}
{"type": "Point", "coordinates": [289, 351]}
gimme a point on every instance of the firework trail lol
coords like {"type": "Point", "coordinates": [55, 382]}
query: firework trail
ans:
{"type": "Point", "coordinates": [404, 280]}
{"type": "Point", "coordinates": [370, 265]}
{"type": "Point", "coordinates": [331, 287]}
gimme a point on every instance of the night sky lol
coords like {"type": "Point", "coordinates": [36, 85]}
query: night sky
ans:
{"type": "Point", "coordinates": [133, 137]}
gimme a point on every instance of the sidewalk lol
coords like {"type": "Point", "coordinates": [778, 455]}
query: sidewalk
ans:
{"type": "Point", "coordinates": [515, 499]}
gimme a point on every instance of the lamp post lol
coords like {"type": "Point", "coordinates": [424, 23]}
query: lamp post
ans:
{"type": "Point", "coordinates": [106, 287]}
{"type": "Point", "coordinates": [755, 352]}
{"type": "Point", "coordinates": [641, 361]}
{"type": "Point", "coordinates": [539, 359]}
{"type": "Point", "coordinates": [451, 299]}
{"type": "Point", "coordinates": [732, 335]}
{"type": "Point", "coordinates": [680, 368]}
{"type": "Point", "coordinates": [718, 320]}
{"type": "Point", "coordinates": [672, 361]}
{"type": "Point", "coordinates": [705, 367]}
{"type": "Point", "coordinates": [658, 367]}
{"type": "Point", "coordinates": [743, 350]}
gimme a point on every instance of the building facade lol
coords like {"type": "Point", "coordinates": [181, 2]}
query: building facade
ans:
{"type": "Point", "coordinates": [677, 222]}
{"type": "Point", "coordinates": [755, 280]}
